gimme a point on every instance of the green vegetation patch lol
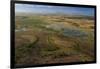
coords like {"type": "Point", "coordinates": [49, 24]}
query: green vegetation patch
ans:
{"type": "Point", "coordinates": [21, 52]}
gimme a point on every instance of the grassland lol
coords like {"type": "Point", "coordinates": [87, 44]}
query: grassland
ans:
{"type": "Point", "coordinates": [46, 39]}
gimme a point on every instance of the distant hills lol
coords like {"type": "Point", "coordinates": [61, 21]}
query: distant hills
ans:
{"type": "Point", "coordinates": [71, 16]}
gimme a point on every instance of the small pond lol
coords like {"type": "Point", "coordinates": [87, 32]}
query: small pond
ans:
{"type": "Point", "coordinates": [74, 32]}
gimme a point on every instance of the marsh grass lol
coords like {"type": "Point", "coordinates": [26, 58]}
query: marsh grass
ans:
{"type": "Point", "coordinates": [55, 50]}
{"type": "Point", "coordinates": [24, 51]}
{"type": "Point", "coordinates": [54, 43]}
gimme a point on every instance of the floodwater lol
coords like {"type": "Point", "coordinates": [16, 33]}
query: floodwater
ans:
{"type": "Point", "coordinates": [66, 31]}
{"type": "Point", "coordinates": [74, 32]}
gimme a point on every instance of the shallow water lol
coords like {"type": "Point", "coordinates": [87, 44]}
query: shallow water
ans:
{"type": "Point", "coordinates": [20, 30]}
{"type": "Point", "coordinates": [74, 32]}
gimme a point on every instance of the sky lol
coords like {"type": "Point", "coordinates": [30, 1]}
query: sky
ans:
{"type": "Point", "coordinates": [47, 9]}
